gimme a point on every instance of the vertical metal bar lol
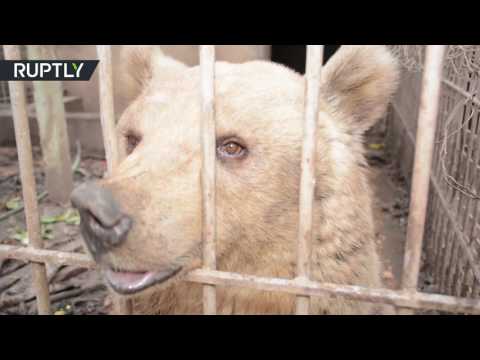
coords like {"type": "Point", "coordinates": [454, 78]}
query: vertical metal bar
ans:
{"type": "Point", "coordinates": [107, 115]}
{"type": "Point", "coordinates": [25, 159]}
{"type": "Point", "coordinates": [307, 186]}
{"type": "Point", "coordinates": [207, 69]}
{"type": "Point", "coordinates": [107, 112]}
{"type": "Point", "coordinates": [427, 120]}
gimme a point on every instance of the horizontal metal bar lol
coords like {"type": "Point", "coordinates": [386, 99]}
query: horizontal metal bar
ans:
{"type": "Point", "coordinates": [46, 256]}
{"type": "Point", "coordinates": [414, 300]}
{"type": "Point", "coordinates": [83, 116]}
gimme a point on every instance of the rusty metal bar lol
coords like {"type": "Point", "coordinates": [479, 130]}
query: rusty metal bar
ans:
{"type": "Point", "coordinates": [208, 139]}
{"type": "Point", "coordinates": [58, 258]}
{"type": "Point", "coordinates": [307, 186]}
{"type": "Point", "coordinates": [427, 120]}
{"type": "Point", "coordinates": [107, 116]}
{"type": "Point", "coordinates": [107, 112]}
{"type": "Point", "coordinates": [414, 300]}
{"type": "Point", "coordinates": [403, 299]}
{"type": "Point", "coordinates": [25, 159]}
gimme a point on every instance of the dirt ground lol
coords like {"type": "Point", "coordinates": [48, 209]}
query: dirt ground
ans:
{"type": "Point", "coordinates": [73, 291]}
{"type": "Point", "coordinates": [78, 291]}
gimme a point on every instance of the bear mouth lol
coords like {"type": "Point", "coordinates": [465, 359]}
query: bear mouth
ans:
{"type": "Point", "coordinates": [128, 283]}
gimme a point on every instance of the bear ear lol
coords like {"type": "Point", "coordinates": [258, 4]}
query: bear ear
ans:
{"type": "Point", "coordinates": [139, 64]}
{"type": "Point", "coordinates": [358, 83]}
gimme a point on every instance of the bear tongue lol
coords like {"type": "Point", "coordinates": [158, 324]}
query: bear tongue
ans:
{"type": "Point", "coordinates": [129, 282]}
{"type": "Point", "coordinates": [127, 279]}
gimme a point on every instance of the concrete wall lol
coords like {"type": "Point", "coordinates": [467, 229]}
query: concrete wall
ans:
{"type": "Point", "coordinates": [88, 91]}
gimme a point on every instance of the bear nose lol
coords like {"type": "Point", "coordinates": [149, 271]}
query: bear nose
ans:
{"type": "Point", "coordinates": [103, 225]}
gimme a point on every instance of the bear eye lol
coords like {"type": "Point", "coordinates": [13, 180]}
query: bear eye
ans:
{"type": "Point", "coordinates": [232, 149]}
{"type": "Point", "coordinates": [132, 142]}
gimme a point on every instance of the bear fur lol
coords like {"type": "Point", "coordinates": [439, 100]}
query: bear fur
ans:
{"type": "Point", "coordinates": [261, 105]}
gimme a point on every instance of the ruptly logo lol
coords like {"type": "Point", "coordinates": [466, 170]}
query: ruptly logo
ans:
{"type": "Point", "coordinates": [38, 70]}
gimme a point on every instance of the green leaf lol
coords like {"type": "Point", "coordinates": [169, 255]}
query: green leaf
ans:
{"type": "Point", "coordinates": [376, 146]}
{"type": "Point", "coordinates": [72, 217]}
{"type": "Point", "coordinates": [48, 237]}
{"type": "Point", "coordinates": [14, 204]}
{"type": "Point", "coordinates": [21, 236]}
{"type": "Point", "coordinates": [47, 232]}
{"type": "Point", "coordinates": [46, 220]}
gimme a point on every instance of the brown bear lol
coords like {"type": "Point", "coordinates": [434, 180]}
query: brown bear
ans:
{"type": "Point", "coordinates": [143, 223]}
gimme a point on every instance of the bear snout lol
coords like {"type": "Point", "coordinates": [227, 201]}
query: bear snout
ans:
{"type": "Point", "coordinates": [103, 225]}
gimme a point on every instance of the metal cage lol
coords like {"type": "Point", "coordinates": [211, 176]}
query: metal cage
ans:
{"type": "Point", "coordinates": [405, 300]}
